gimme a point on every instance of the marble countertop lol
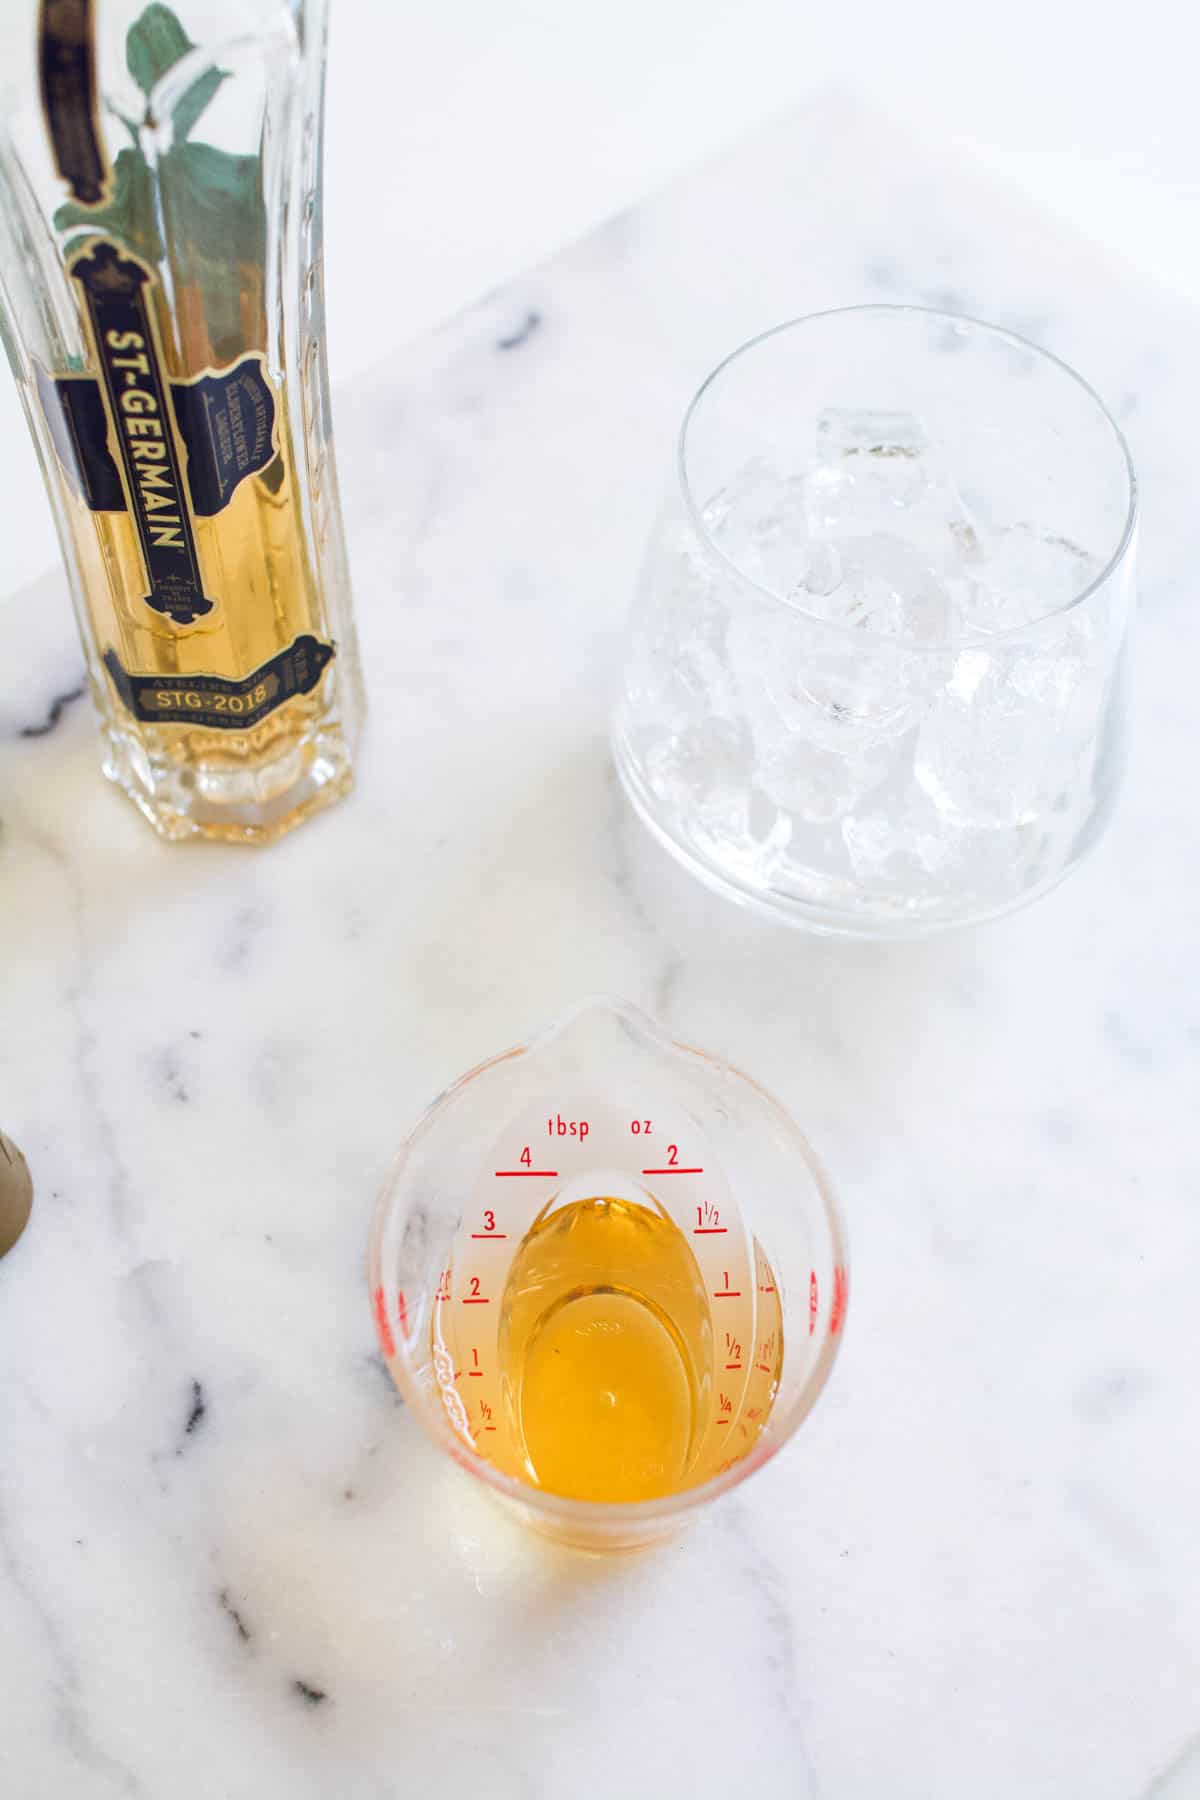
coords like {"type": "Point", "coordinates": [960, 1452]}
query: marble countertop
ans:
{"type": "Point", "coordinates": [230, 1566]}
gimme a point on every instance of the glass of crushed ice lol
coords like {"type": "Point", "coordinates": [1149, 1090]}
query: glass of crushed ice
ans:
{"type": "Point", "coordinates": [876, 680]}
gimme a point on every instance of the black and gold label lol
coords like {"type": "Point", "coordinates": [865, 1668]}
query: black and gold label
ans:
{"type": "Point", "coordinates": [142, 419]}
{"type": "Point", "coordinates": [67, 69]}
{"type": "Point", "coordinates": [225, 417]}
{"type": "Point", "coordinates": [212, 700]}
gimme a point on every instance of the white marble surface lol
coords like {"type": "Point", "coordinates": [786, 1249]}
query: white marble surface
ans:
{"type": "Point", "coordinates": [230, 1568]}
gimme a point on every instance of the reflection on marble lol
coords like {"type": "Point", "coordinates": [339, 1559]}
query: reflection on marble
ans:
{"type": "Point", "coordinates": [229, 1564]}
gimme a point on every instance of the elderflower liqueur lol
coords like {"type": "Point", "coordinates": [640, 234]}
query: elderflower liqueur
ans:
{"type": "Point", "coordinates": [161, 298]}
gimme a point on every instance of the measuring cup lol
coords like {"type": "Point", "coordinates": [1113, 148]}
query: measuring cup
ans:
{"type": "Point", "coordinates": [605, 1103]}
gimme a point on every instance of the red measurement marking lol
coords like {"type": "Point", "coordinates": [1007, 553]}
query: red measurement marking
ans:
{"type": "Point", "coordinates": [765, 1367]}
{"type": "Point", "coordinates": [840, 1293]}
{"type": "Point", "coordinates": [673, 1170]}
{"type": "Point", "coordinates": [489, 1428]}
{"type": "Point", "coordinates": [812, 1301]}
{"type": "Point", "coordinates": [485, 1235]}
{"type": "Point", "coordinates": [383, 1324]}
{"type": "Point", "coordinates": [477, 1300]}
{"type": "Point", "coordinates": [519, 1173]}
{"type": "Point", "coordinates": [474, 1371]}
{"type": "Point", "coordinates": [727, 1293]}
{"type": "Point", "coordinates": [722, 1421]}
{"type": "Point", "coordinates": [765, 1290]}
{"type": "Point", "coordinates": [402, 1309]}
{"type": "Point", "coordinates": [733, 1365]}
{"type": "Point", "coordinates": [708, 1230]}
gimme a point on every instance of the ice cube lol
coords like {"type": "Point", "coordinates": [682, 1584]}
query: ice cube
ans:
{"type": "Point", "coordinates": [1007, 735]}
{"type": "Point", "coordinates": [678, 670]}
{"type": "Point", "coordinates": [878, 586]}
{"type": "Point", "coordinates": [757, 520]}
{"type": "Point", "coordinates": [877, 472]}
{"type": "Point", "coordinates": [895, 850]}
{"type": "Point", "coordinates": [706, 780]}
{"type": "Point", "coordinates": [914, 855]}
{"type": "Point", "coordinates": [1022, 574]}
{"type": "Point", "coordinates": [820, 785]}
{"type": "Point", "coordinates": [868, 464]}
{"type": "Point", "coordinates": [815, 755]}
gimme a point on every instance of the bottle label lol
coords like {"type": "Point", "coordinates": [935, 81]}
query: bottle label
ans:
{"type": "Point", "coordinates": [226, 419]}
{"type": "Point", "coordinates": [129, 439]}
{"type": "Point", "coordinates": [67, 67]}
{"type": "Point", "coordinates": [142, 419]}
{"type": "Point", "coordinates": [213, 701]}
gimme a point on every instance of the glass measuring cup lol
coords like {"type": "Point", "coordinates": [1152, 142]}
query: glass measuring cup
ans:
{"type": "Point", "coordinates": [599, 1126]}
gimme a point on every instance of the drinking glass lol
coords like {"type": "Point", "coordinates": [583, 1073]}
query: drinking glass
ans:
{"type": "Point", "coordinates": [876, 681]}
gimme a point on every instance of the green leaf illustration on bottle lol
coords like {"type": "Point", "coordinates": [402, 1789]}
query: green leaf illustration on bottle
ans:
{"type": "Point", "coordinates": [155, 43]}
{"type": "Point", "coordinates": [130, 215]}
{"type": "Point", "coordinates": [208, 202]}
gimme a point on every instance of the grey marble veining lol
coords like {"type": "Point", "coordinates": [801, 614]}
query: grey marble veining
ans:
{"type": "Point", "coordinates": [229, 1564]}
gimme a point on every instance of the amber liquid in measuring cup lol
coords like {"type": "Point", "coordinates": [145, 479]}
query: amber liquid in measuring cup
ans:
{"type": "Point", "coordinates": [605, 1351]}
{"type": "Point", "coordinates": [614, 1369]}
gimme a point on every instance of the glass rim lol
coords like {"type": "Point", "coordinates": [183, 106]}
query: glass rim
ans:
{"type": "Point", "coordinates": [598, 1518]}
{"type": "Point", "coordinates": [903, 310]}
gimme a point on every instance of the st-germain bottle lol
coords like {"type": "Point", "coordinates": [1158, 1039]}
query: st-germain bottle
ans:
{"type": "Point", "coordinates": [161, 298]}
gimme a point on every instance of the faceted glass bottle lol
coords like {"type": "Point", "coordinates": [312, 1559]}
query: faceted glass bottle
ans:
{"type": "Point", "coordinates": [161, 296]}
